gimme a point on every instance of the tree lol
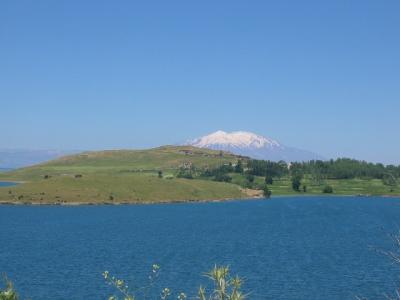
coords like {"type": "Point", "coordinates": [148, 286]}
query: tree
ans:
{"type": "Point", "coordinates": [296, 182]}
{"type": "Point", "coordinates": [389, 180]}
{"type": "Point", "coordinates": [267, 192]}
{"type": "Point", "coordinates": [250, 178]}
{"type": "Point", "coordinates": [327, 189]}
{"type": "Point", "coordinates": [239, 167]}
{"type": "Point", "coordinates": [269, 179]}
{"type": "Point", "coordinates": [222, 177]}
{"type": "Point", "coordinates": [185, 173]}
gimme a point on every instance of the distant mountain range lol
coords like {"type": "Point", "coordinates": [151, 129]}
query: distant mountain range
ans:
{"type": "Point", "coordinates": [252, 145]}
{"type": "Point", "coordinates": [238, 142]}
{"type": "Point", "coordinates": [17, 158]}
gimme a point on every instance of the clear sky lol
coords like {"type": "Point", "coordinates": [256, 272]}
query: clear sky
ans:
{"type": "Point", "coordinates": [318, 75]}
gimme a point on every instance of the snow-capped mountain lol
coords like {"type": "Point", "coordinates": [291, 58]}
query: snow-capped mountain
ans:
{"type": "Point", "coordinates": [252, 145]}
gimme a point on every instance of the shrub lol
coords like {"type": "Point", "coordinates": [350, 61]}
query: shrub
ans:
{"type": "Point", "coordinates": [267, 192]}
{"type": "Point", "coordinates": [250, 178]}
{"type": "Point", "coordinates": [269, 179]}
{"type": "Point", "coordinates": [389, 179]}
{"type": "Point", "coordinates": [184, 174]}
{"type": "Point", "coordinates": [296, 182]}
{"type": "Point", "coordinates": [327, 189]}
{"type": "Point", "coordinates": [222, 177]}
{"type": "Point", "coordinates": [239, 167]}
{"type": "Point", "coordinates": [8, 293]}
{"type": "Point", "coordinates": [224, 287]}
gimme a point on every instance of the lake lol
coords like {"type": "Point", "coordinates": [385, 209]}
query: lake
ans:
{"type": "Point", "coordinates": [7, 183]}
{"type": "Point", "coordinates": [284, 248]}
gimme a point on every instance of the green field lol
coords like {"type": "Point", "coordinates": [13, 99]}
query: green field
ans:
{"type": "Point", "coordinates": [122, 176]}
{"type": "Point", "coordinates": [127, 176]}
{"type": "Point", "coordinates": [340, 187]}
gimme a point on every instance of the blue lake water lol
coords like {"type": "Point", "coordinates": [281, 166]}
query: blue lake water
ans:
{"type": "Point", "coordinates": [6, 183]}
{"type": "Point", "coordinates": [285, 248]}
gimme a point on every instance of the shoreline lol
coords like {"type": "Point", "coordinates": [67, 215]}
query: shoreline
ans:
{"type": "Point", "coordinates": [166, 202]}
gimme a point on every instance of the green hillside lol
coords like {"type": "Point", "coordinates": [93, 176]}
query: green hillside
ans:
{"type": "Point", "coordinates": [182, 173]}
{"type": "Point", "coordinates": [121, 176]}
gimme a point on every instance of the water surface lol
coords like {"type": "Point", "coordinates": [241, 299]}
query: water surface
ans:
{"type": "Point", "coordinates": [7, 183]}
{"type": "Point", "coordinates": [285, 248]}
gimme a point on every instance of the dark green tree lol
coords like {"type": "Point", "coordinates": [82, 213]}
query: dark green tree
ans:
{"type": "Point", "coordinates": [222, 177]}
{"type": "Point", "coordinates": [250, 178]}
{"type": "Point", "coordinates": [269, 179]}
{"type": "Point", "coordinates": [296, 182]}
{"type": "Point", "coordinates": [239, 167]}
{"type": "Point", "coordinates": [267, 192]}
{"type": "Point", "coordinates": [327, 189]}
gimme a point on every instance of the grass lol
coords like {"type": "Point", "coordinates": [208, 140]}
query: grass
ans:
{"type": "Point", "coordinates": [340, 187]}
{"type": "Point", "coordinates": [120, 177]}
{"type": "Point", "coordinates": [126, 176]}
{"type": "Point", "coordinates": [118, 188]}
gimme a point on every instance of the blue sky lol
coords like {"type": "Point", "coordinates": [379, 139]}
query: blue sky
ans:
{"type": "Point", "coordinates": [318, 75]}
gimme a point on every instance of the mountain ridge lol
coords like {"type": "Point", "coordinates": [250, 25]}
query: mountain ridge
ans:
{"type": "Point", "coordinates": [252, 145]}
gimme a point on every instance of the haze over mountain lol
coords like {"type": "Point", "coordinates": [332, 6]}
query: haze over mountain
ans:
{"type": "Point", "coordinates": [252, 145]}
{"type": "Point", "coordinates": [17, 158]}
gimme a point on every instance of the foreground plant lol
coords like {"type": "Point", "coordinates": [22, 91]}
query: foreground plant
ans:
{"type": "Point", "coordinates": [225, 287]}
{"type": "Point", "coordinates": [128, 294]}
{"type": "Point", "coordinates": [8, 293]}
{"type": "Point", "coordinates": [394, 255]}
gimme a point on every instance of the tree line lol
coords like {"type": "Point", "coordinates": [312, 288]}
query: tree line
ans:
{"type": "Point", "coordinates": [341, 168]}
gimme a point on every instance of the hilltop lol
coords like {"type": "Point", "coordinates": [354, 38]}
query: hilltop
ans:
{"type": "Point", "coordinates": [187, 173]}
{"type": "Point", "coordinates": [121, 176]}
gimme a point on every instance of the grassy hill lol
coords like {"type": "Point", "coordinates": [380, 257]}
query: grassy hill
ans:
{"type": "Point", "coordinates": [120, 176]}
{"type": "Point", "coordinates": [132, 176]}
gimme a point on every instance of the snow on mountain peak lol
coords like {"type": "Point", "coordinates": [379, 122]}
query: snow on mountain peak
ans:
{"type": "Point", "coordinates": [252, 145]}
{"type": "Point", "coordinates": [240, 139]}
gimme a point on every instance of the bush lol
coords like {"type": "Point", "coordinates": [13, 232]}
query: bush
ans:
{"type": "Point", "coordinates": [296, 182]}
{"type": "Point", "coordinates": [250, 178]}
{"type": "Point", "coordinates": [222, 177]}
{"type": "Point", "coordinates": [267, 192]}
{"type": "Point", "coordinates": [8, 293]}
{"type": "Point", "coordinates": [224, 287]}
{"type": "Point", "coordinates": [239, 167]}
{"type": "Point", "coordinates": [389, 179]}
{"type": "Point", "coordinates": [185, 173]}
{"type": "Point", "coordinates": [327, 189]}
{"type": "Point", "coordinates": [269, 179]}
